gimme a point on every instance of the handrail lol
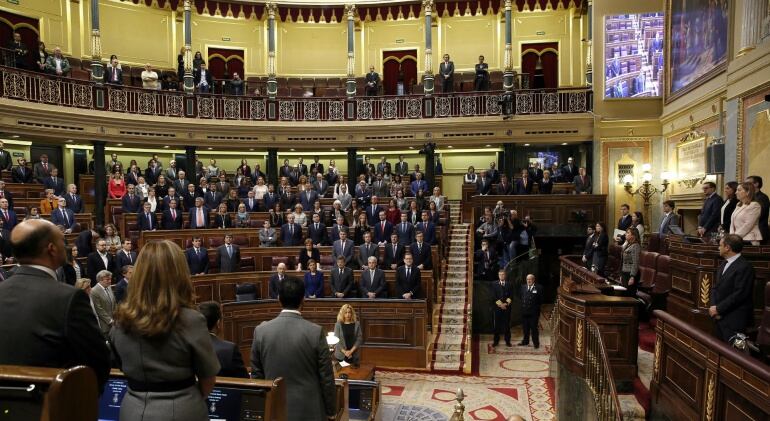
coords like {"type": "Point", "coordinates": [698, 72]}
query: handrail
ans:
{"type": "Point", "coordinates": [65, 91]}
{"type": "Point", "coordinates": [471, 269]}
{"type": "Point", "coordinates": [598, 375]}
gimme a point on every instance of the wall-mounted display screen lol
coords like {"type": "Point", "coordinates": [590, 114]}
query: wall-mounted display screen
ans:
{"type": "Point", "coordinates": [633, 55]}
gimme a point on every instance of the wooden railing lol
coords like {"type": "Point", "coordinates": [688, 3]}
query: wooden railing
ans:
{"type": "Point", "coordinates": [45, 89]}
{"type": "Point", "coordinates": [599, 376]}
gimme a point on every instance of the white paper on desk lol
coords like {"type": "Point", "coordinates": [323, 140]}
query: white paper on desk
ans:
{"type": "Point", "coordinates": [343, 364]}
{"type": "Point", "coordinates": [618, 233]}
{"type": "Point", "coordinates": [618, 288]}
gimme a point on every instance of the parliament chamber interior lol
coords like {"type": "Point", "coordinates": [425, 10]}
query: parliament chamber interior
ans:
{"type": "Point", "coordinates": [304, 210]}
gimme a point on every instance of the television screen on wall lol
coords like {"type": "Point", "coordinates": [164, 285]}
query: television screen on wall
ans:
{"type": "Point", "coordinates": [633, 55]}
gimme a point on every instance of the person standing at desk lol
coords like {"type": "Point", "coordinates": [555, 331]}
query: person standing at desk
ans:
{"type": "Point", "coordinates": [503, 295]}
{"type": "Point", "coordinates": [372, 82]}
{"type": "Point", "coordinates": [531, 298]}
{"type": "Point", "coordinates": [348, 329]}
{"type": "Point", "coordinates": [731, 304]}
{"type": "Point", "coordinates": [481, 83]}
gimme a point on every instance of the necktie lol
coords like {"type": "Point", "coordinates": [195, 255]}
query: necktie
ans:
{"type": "Point", "coordinates": [291, 230]}
{"type": "Point", "coordinates": [230, 250]}
{"type": "Point", "coordinates": [130, 260]}
{"type": "Point", "coordinates": [5, 214]}
{"type": "Point", "coordinates": [197, 252]}
{"type": "Point", "coordinates": [408, 270]}
{"type": "Point", "coordinates": [383, 227]}
{"type": "Point", "coordinates": [45, 166]}
{"type": "Point", "coordinates": [200, 217]}
{"type": "Point", "coordinates": [316, 226]}
{"type": "Point", "coordinates": [173, 215]}
{"type": "Point", "coordinates": [419, 248]}
{"type": "Point", "coordinates": [343, 247]}
{"type": "Point", "coordinates": [395, 247]}
{"type": "Point", "coordinates": [66, 219]}
{"type": "Point", "coordinates": [149, 221]}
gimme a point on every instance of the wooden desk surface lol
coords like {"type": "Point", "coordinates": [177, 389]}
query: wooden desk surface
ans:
{"type": "Point", "coordinates": [363, 372]}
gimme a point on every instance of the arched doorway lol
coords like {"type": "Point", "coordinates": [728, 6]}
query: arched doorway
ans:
{"type": "Point", "coordinates": [28, 28]}
{"type": "Point", "coordinates": [399, 66]}
{"type": "Point", "coordinates": [540, 62]}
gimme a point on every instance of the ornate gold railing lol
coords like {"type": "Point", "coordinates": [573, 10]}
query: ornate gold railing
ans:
{"type": "Point", "coordinates": [599, 376]}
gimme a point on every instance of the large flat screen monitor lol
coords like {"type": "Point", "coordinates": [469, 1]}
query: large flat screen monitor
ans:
{"type": "Point", "coordinates": [633, 55]}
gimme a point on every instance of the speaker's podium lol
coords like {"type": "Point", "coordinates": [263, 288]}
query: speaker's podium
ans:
{"type": "Point", "coordinates": [47, 394]}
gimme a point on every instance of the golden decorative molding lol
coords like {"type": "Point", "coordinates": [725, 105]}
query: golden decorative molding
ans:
{"type": "Point", "coordinates": [739, 142]}
{"type": "Point", "coordinates": [710, 395]}
{"type": "Point", "coordinates": [705, 289]}
{"type": "Point", "coordinates": [579, 337]}
{"type": "Point", "coordinates": [656, 360]}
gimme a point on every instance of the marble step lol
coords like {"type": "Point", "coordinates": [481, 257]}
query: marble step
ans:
{"type": "Point", "coordinates": [452, 299]}
{"type": "Point", "coordinates": [454, 290]}
{"type": "Point", "coordinates": [447, 342]}
{"type": "Point", "coordinates": [452, 320]}
{"type": "Point", "coordinates": [453, 366]}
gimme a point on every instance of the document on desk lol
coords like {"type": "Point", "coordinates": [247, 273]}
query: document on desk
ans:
{"type": "Point", "coordinates": [343, 364]}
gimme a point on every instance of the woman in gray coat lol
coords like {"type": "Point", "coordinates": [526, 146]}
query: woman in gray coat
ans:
{"type": "Point", "coordinates": [629, 270]}
{"type": "Point", "coordinates": [162, 341]}
{"type": "Point", "coordinates": [348, 329]}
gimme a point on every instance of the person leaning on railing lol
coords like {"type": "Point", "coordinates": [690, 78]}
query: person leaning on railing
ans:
{"type": "Point", "coordinates": [56, 64]}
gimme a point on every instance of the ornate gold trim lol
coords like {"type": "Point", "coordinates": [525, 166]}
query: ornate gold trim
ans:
{"type": "Point", "coordinates": [739, 142]}
{"type": "Point", "coordinates": [579, 337]}
{"type": "Point", "coordinates": [705, 289]}
{"type": "Point", "coordinates": [710, 395]}
{"type": "Point", "coordinates": [656, 361]}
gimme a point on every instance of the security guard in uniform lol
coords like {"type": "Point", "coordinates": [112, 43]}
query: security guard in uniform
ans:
{"type": "Point", "coordinates": [531, 298]}
{"type": "Point", "coordinates": [503, 294]}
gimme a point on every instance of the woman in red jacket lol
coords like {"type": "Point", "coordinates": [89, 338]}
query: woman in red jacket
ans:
{"type": "Point", "coordinates": [116, 188]}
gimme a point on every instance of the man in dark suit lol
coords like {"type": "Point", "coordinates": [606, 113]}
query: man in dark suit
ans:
{"type": "Point", "coordinates": [42, 169]}
{"type": "Point", "coordinates": [317, 232]}
{"type": "Point", "coordinates": [223, 187]}
{"type": "Point", "coordinates": [504, 187]}
{"type": "Point", "coordinates": [380, 188]}
{"type": "Point", "coordinates": [486, 262]}
{"type": "Point", "coordinates": [402, 167]}
{"type": "Point", "coordinates": [202, 79]}
{"type": "Point", "coordinates": [731, 303]}
{"type": "Point", "coordinates": [373, 281]}
{"type": "Point", "coordinates": [228, 354]}
{"type": "Point", "coordinates": [373, 212]}
{"type": "Point", "coordinates": [524, 184]}
{"type": "Point", "coordinates": [372, 82]}
{"type": "Point", "coordinates": [181, 182]}
{"type": "Point", "coordinates": [74, 201]}
{"type": "Point", "coordinates": [363, 194]}
{"type": "Point", "coordinates": [250, 202]}
{"type": "Point", "coordinates": [20, 52]}
{"type": "Point", "coordinates": [502, 291]}
{"type": "Point", "coordinates": [320, 185]}
{"type": "Point", "coordinates": [419, 184]}
{"type": "Point", "coordinates": [493, 173]}
{"type": "Point", "coordinates": [569, 171]}
{"type": "Point", "coordinates": [228, 256]}
{"type": "Point", "coordinates": [276, 279]}
{"type": "Point", "coordinates": [172, 195]}
{"type": "Point", "coordinates": [710, 216]}
{"type": "Point", "coordinates": [531, 297]}
{"type": "Point", "coordinates": [343, 247]}
{"type": "Point", "coordinates": [197, 258]}
{"type": "Point", "coordinates": [582, 182]}
{"type": "Point", "coordinates": [188, 197]}
{"type": "Point", "coordinates": [366, 250]}
{"type": "Point", "coordinates": [121, 288]}
{"type": "Point", "coordinates": [59, 328]}
{"type": "Point", "coordinates": [307, 198]}
{"type": "Point", "coordinates": [213, 197]}
{"type": "Point", "coordinates": [588, 247]}
{"type": "Point", "coordinates": [291, 232]}
{"type": "Point", "coordinates": [341, 279]}
{"type": "Point", "coordinates": [301, 168]}
{"type": "Point", "coordinates": [338, 227]}
{"type": "Point", "coordinates": [21, 174]}
{"type": "Point", "coordinates": [146, 220]}
{"type": "Point", "coordinates": [63, 217]}
{"type": "Point", "coordinates": [405, 230]}
{"type": "Point", "coordinates": [296, 350]}
{"type": "Point", "coordinates": [5, 158]}
{"type": "Point", "coordinates": [446, 71]}
{"type": "Point", "coordinates": [536, 173]}
{"type": "Point", "coordinates": [669, 218]}
{"type": "Point", "coordinates": [172, 218]}
{"type": "Point", "coordinates": [394, 253]}
{"type": "Point", "coordinates": [113, 74]}
{"type": "Point", "coordinates": [131, 202]}
{"type": "Point", "coordinates": [421, 252]}
{"type": "Point", "coordinates": [126, 256]}
{"type": "Point", "coordinates": [54, 182]}
{"type": "Point", "coordinates": [408, 280]}
{"type": "Point", "coordinates": [270, 198]}
{"type": "Point", "coordinates": [8, 215]}
{"type": "Point", "coordinates": [764, 203]}
{"type": "Point", "coordinates": [152, 172]}
{"type": "Point", "coordinates": [316, 168]}
{"type": "Point", "coordinates": [382, 230]}
{"type": "Point", "coordinates": [483, 184]}
{"type": "Point", "coordinates": [624, 222]}
{"type": "Point", "coordinates": [99, 260]}
{"type": "Point", "coordinates": [428, 228]}
{"type": "Point", "coordinates": [199, 215]}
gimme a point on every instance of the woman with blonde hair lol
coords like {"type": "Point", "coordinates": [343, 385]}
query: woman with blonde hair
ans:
{"type": "Point", "coordinates": [162, 341]}
{"type": "Point", "coordinates": [745, 218]}
{"type": "Point", "coordinates": [348, 329]}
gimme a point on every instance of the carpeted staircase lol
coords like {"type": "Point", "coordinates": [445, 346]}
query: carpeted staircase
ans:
{"type": "Point", "coordinates": [451, 315]}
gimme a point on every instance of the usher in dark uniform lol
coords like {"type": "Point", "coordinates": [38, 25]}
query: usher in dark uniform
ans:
{"type": "Point", "coordinates": [531, 298]}
{"type": "Point", "coordinates": [503, 293]}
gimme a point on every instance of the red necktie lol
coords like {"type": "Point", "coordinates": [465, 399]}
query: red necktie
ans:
{"type": "Point", "coordinates": [45, 165]}
{"type": "Point", "coordinates": [173, 214]}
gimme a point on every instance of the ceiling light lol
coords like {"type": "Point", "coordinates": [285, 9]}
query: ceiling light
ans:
{"type": "Point", "coordinates": [15, 136]}
{"type": "Point", "coordinates": [564, 143]}
{"type": "Point", "coordinates": [69, 140]}
{"type": "Point", "coordinates": [251, 149]}
{"type": "Point", "coordinates": [165, 147]}
{"type": "Point", "coordinates": [120, 144]}
{"type": "Point", "coordinates": [292, 149]}
{"type": "Point", "coordinates": [332, 149]}
{"type": "Point", "coordinates": [526, 144]}
{"type": "Point", "coordinates": [411, 147]}
{"type": "Point", "coordinates": [210, 148]}
{"type": "Point", "coordinates": [450, 146]}
{"type": "Point", "coordinates": [371, 149]}
{"type": "Point", "coordinates": [489, 146]}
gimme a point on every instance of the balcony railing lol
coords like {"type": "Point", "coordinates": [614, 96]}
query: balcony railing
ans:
{"type": "Point", "coordinates": [40, 88]}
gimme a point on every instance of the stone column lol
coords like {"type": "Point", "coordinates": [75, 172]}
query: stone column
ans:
{"type": "Point", "coordinates": [589, 41]}
{"type": "Point", "coordinates": [427, 81]}
{"type": "Point", "coordinates": [272, 84]}
{"type": "Point", "coordinates": [508, 82]}
{"type": "Point", "coordinates": [189, 80]}
{"type": "Point", "coordinates": [350, 10]}
{"type": "Point", "coordinates": [97, 69]}
{"type": "Point", "coordinates": [189, 153]}
{"type": "Point", "coordinates": [271, 166]}
{"type": "Point", "coordinates": [754, 13]}
{"type": "Point", "coordinates": [352, 175]}
{"type": "Point", "coordinates": [100, 181]}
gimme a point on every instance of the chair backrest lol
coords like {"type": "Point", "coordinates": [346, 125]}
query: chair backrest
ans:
{"type": "Point", "coordinates": [662, 275]}
{"type": "Point", "coordinates": [245, 292]}
{"type": "Point", "coordinates": [763, 337]}
{"type": "Point", "coordinates": [653, 243]}
{"type": "Point", "coordinates": [240, 240]}
{"type": "Point", "coordinates": [647, 268]}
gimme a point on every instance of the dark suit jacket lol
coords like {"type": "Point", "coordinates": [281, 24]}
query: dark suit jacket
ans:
{"type": "Point", "coordinates": [194, 218]}
{"type": "Point", "coordinates": [521, 189]}
{"type": "Point", "coordinates": [318, 236]}
{"type": "Point", "coordinates": [423, 256]}
{"type": "Point", "coordinates": [405, 234]}
{"type": "Point", "coordinates": [58, 219]}
{"type": "Point", "coordinates": [296, 349]}
{"type": "Point", "coordinates": [222, 221]}
{"type": "Point", "coordinates": [376, 285]}
{"type": "Point", "coordinates": [582, 186]}
{"type": "Point", "coordinates": [197, 77]}
{"type": "Point", "coordinates": [367, 250]}
{"type": "Point", "coordinates": [212, 199]}
{"type": "Point", "coordinates": [95, 264]}
{"type": "Point", "coordinates": [530, 300]}
{"type": "Point", "coordinates": [709, 216]}
{"type": "Point", "coordinates": [502, 294]}
{"type": "Point", "coordinates": [306, 199]}
{"type": "Point", "coordinates": [5, 160]}
{"type": "Point", "coordinates": [226, 263]}
{"type": "Point", "coordinates": [11, 221]}
{"type": "Point", "coordinates": [121, 259]}
{"type": "Point", "coordinates": [74, 203]}
{"type": "Point", "coordinates": [483, 186]}
{"type": "Point", "coordinates": [229, 359]}
{"type": "Point", "coordinates": [373, 214]}
{"type": "Point", "coordinates": [764, 202]}
{"type": "Point", "coordinates": [380, 234]}
{"type": "Point", "coordinates": [411, 284]}
{"type": "Point", "coordinates": [341, 281]}
{"type": "Point", "coordinates": [129, 204]}
{"type": "Point", "coordinates": [270, 200]}
{"type": "Point", "coordinates": [59, 328]}
{"type": "Point", "coordinates": [57, 186]}
{"type": "Point", "coordinates": [429, 231]}
{"type": "Point", "coordinates": [504, 189]}
{"type": "Point", "coordinates": [40, 173]}
{"type": "Point", "coordinates": [273, 285]}
{"type": "Point", "coordinates": [726, 218]}
{"type": "Point", "coordinates": [197, 264]}
{"type": "Point", "coordinates": [289, 239]}
{"type": "Point", "coordinates": [392, 258]}
{"type": "Point", "coordinates": [253, 207]}
{"type": "Point", "coordinates": [167, 223]}
{"type": "Point", "coordinates": [108, 76]}
{"type": "Point", "coordinates": [18, 177]}
{"type": "Point", "coordinates": [120, 291]}
{"type": "Point", "coordinates": [624, 223]}
{"type": "Point", "coordinates": [146, 225]}
{"type": "Point", "coordinates": [731, 293]}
